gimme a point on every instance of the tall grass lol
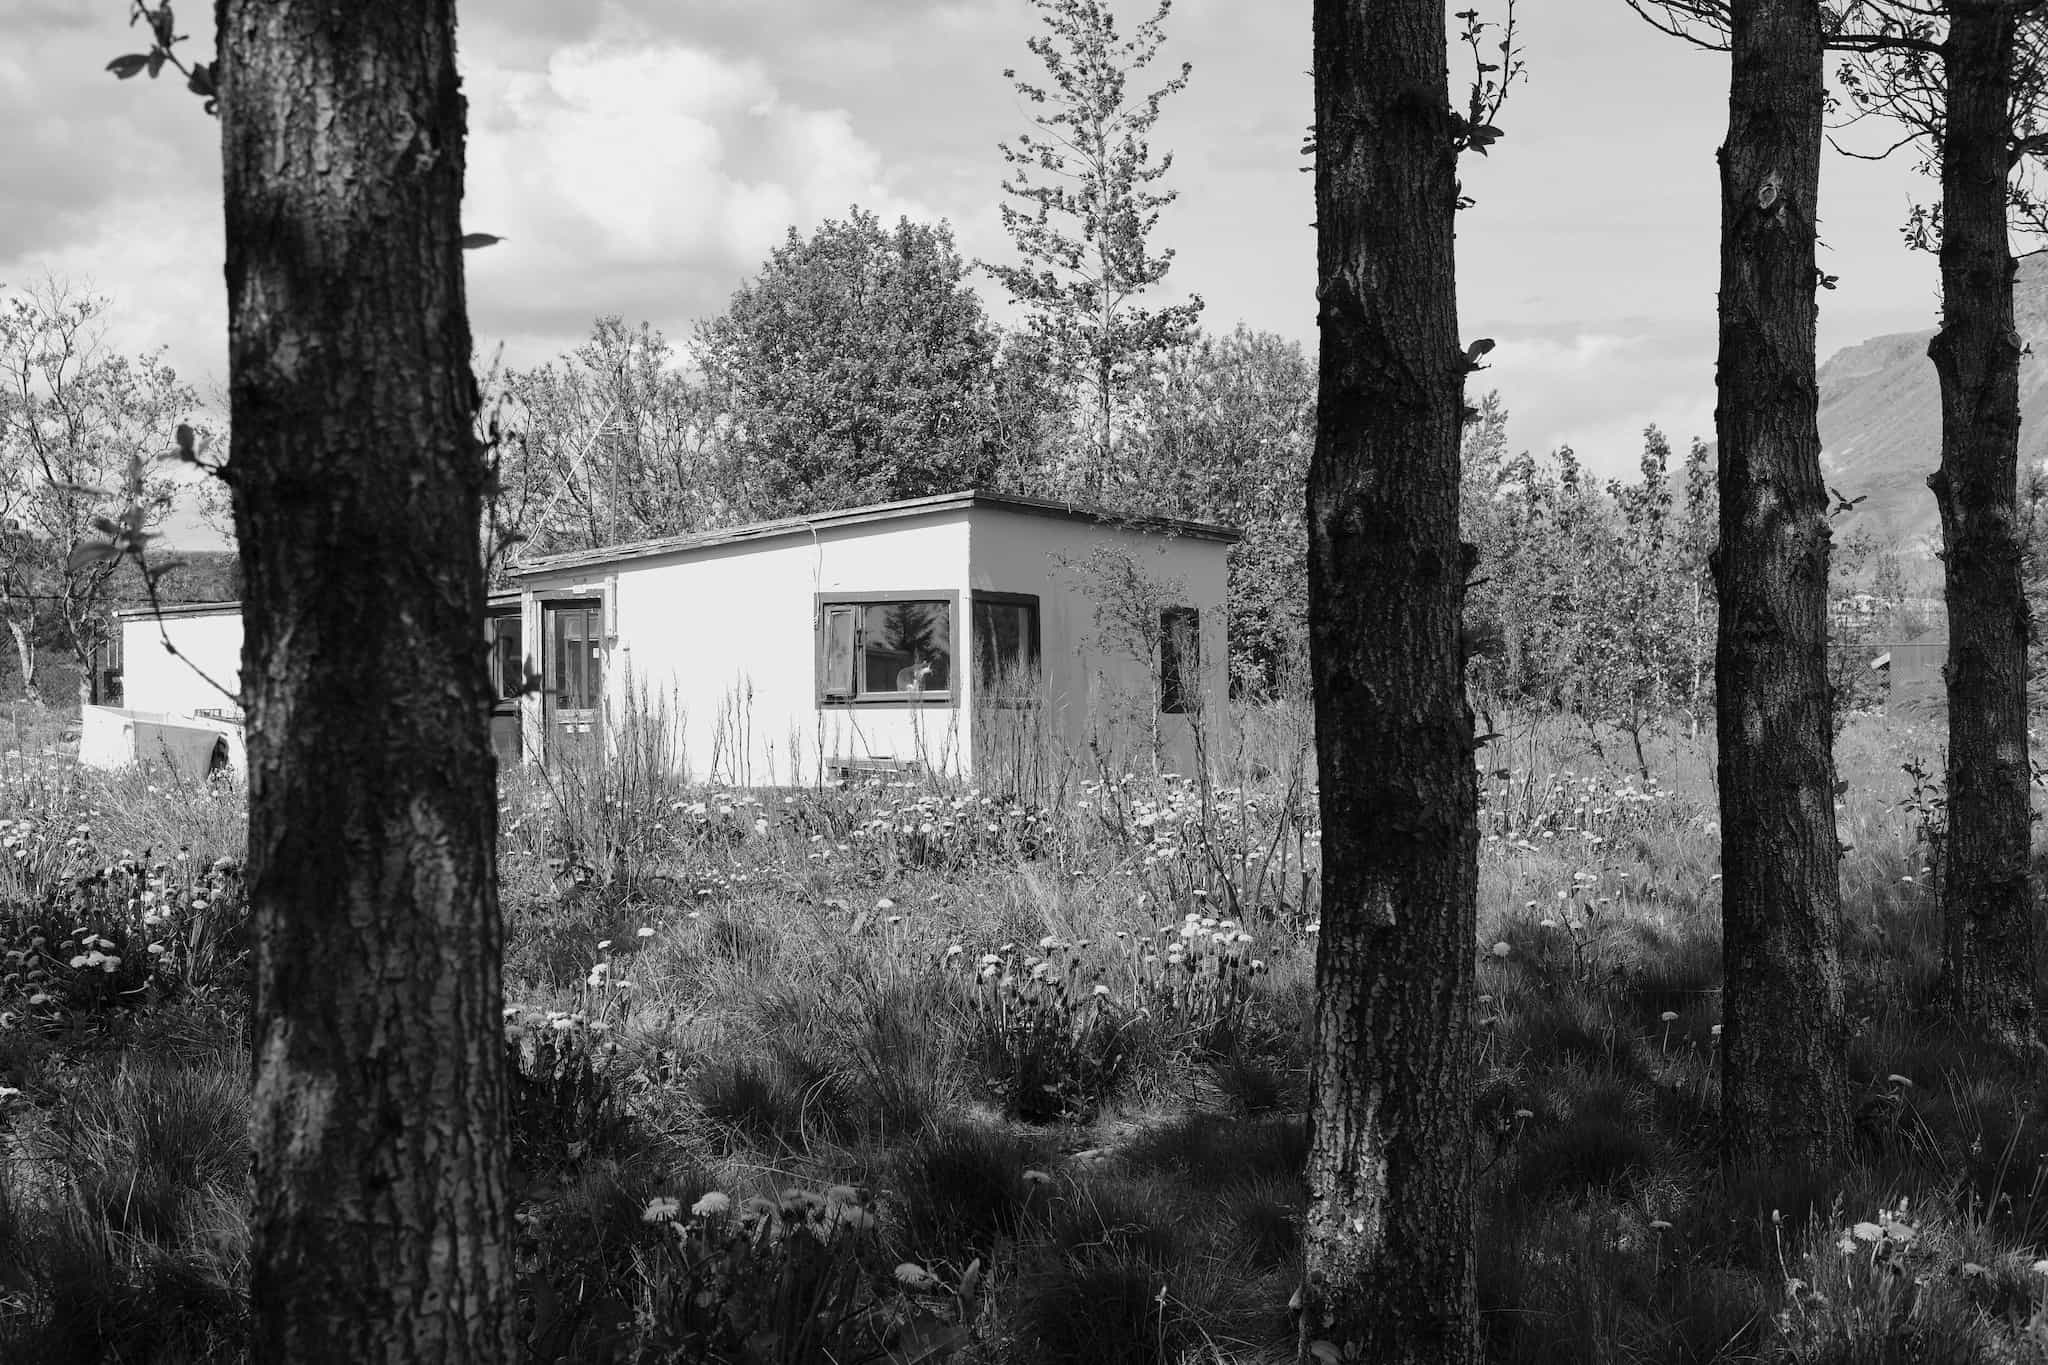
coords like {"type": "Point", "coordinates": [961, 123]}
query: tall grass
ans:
{"type": "Point", "coordinates": [1040, 1039]}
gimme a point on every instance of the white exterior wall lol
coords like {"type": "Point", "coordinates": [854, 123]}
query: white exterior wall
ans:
{"type": "Point", "coordinates": [155, 680]}
{"type": "Point", "coordinates": [727, 637]}
{"type": "Point", "coordinates": [1093, 689]}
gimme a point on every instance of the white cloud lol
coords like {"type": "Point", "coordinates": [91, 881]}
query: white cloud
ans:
{"type": "Point", "coordinates": [1595, 387]}
{"type": "Point", "coordinates": [627, 156]}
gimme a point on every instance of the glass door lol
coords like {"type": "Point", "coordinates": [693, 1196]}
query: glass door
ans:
{"type": "Point", "coordinates": [573, 670]}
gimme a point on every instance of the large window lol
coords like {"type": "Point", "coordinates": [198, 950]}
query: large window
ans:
{"type": "Point", "coordinates": [884, 647]}
{"type": "Point", "coordinates": [1005, 648]}
{"type": "Point", "coordinates": [1180, 661]}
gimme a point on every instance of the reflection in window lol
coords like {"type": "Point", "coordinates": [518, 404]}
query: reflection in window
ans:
{"type": "Point", "coordinates": [1180, 661]}
{"type": "Point", "coordinates": [886, 650]}
{"type": "Point", "coordinates": [1005, 648]}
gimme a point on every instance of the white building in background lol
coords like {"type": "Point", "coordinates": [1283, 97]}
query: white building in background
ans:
{"type": "Point", "coordinates": [945, 634]}
{"type": "Point", "coordinates": [180, 708]}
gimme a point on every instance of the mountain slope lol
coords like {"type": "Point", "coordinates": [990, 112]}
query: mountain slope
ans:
{"type": "Point", "coordinates": [1880, 419]}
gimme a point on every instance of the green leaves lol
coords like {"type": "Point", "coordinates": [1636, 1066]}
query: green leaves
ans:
{"type": "Point", "coordinates": [162, 27]}
{"type": "Point", "coordinates": [857, 367]}
{"type": "Point", "coordinates": [1085, 235]}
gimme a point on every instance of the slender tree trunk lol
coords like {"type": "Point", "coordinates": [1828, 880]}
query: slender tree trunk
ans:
{"type": "Point", "coordinates": [382, 1219]}
{"type": "Point", "coordinates": [1987, 905]}
{"type": "Point", "coordinates": [1388, 1238]}
{"type": "Point", "coordinates": [25, 651]}
{"type": "Point", "coordinates": [1784, 1087]}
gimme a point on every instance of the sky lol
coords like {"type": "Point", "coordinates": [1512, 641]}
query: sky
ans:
{"type": "Point", "coordinates": [642, 157]}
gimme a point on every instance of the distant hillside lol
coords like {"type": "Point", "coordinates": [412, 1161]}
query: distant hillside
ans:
{"type": "Point", "coordinates": [1880, 418]}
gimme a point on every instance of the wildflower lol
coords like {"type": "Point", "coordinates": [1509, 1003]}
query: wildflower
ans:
{"type": "Point", "coordinates": [842, 1194]}
{"type": "Point", "coordinates": [1525, 1114]}
{"type": "Point", "coordinates": [712, 1203]}
{"type": "Point", "coordinates": [603, 944]}
{"type": "Point", "coordinates": [1502, 949]}
{"type": "Point", "coordinates": [913, 1276]}
{"type": "Point", "coordinates": [659, 1210]}
{"type": "Point", "coordinates": [1901, 1081]}
{"type": "Point", "coordinates": [645, 932]}
{"type": "Point", "coordinates": [954, 952]}
{"type": "Point", "coordinates": [1659, 1225]}
{"type": "Point", "coordinates": [1101, 990]}
{"type": "Point", "coordinates": [1866, 1232]}
{"type": "Point", "coordinates": [1037, 1178]}
{"type": "Point", "coordinates": [885, 904]}
{"type": "Point", "coordinates": [1669, 1016]}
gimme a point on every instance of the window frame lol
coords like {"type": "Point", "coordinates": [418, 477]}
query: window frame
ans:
{"type": "Point", "coordinates": [948, 696]}
{"type": "Point", "coordinates": [1175, 698]}
{"type": "Point", "coordinates": [1008, 599]}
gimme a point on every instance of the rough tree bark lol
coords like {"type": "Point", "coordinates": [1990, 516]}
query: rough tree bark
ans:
{"type": "Point", "coordinates": [1784, 1096]}
{"type": "Point", "coordinates": [382, 1218]}
{"type": "Point", "coordinates": [1389, 1233]}
{"type": "Point", "coordinates": [1987, 904]}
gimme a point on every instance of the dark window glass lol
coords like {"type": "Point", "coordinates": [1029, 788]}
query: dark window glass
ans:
{"type": "Point", "coordinates": [507, 665]}
{"type": "Point", "coordinates": [1005, 649]}
{"type": "Point", "coordinates": [1180, 660]}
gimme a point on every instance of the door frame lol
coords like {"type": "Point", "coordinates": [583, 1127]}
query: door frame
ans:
{"type": "Point", "coordinates": [597, 600]}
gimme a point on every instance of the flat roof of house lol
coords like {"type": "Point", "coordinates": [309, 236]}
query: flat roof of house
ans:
{"type": "Point", "coordinates": [179, 609]}
{"type": "Point", "coordinates": [877, 512]}
{"type": "Point", "coordinates": [504, 597]}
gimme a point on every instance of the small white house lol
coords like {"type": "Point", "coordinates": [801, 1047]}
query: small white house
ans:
{"type": "Point", "coordinates": [181, 708]}
{"type": "Point", "coordinates": [932, 633]}
{"type": "Point", "coordinates": [170, 684]}
{"type": "Point", "coordinates": [938, 634]}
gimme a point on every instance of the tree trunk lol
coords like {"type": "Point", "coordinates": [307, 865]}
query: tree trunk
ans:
{"type": "Point", "coordinates": [25, 651]}
{"type": "Point", "coordinates": [1986, 903]}
{"type": "Point", "coordinates": [1389, 1232]}
{"type": "Point", "coordinates": [1784, 1088]}
{"type": "Point", "coordinates": [382, 1220]}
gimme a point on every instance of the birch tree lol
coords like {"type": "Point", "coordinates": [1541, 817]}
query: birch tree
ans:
{"type": "Point", "coordinates": [81, 430]}
{"type": "Point", "coordinates": [1089, 180]}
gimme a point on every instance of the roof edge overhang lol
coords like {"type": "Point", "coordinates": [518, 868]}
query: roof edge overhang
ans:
{"type": "Point", "coordinates": [875, 512]}
{"type": "Point", "coordinates": [503, 597]}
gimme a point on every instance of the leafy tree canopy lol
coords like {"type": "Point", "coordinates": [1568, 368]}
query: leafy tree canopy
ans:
{"type": "Point", "coordinates": [857, 367]}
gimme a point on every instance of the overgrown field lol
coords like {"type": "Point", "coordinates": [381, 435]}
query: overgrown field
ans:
{"type": "Point", "coordinates": [1016, 1072]}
